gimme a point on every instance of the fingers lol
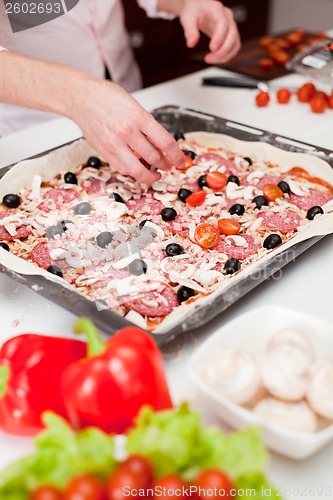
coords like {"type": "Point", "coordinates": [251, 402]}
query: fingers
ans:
{"type": "Point", "coordinates": [127, 163]}
{"type": "Point", "coordinates": [149, 152]}
{"type": "Point", "coordinates": [226, 44]}
{"type": "Point", "coordinates": [164, 142]}
{"type": "Point", "coordinates": [190, 27]}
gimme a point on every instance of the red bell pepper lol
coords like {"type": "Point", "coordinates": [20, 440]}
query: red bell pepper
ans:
{"type": "Point", "coordinates": [108, 388]}
{"type": "Point", "coordinates": [30, 369]}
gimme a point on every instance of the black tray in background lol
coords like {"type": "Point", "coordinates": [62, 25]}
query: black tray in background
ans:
{"type": "Point", "coordinates": [174, 119]}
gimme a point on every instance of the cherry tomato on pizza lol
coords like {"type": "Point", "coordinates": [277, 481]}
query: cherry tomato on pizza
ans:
{"type": "Point", "coordinates": [318, 104]}
{"type": "Point", "coordinates": [206, 235]}
{"type": "Point", "coordinates": [283, 96]}
{"type": "Point", "coordinates": [188, 163]}
{"type": "Point", "coordinates": [228, 226]}
{"type": "Point", "coordinates": [216, 180]}
{"type": "Point", "coordinates": [196, 199]}
{"type": "Point", "coordinates": [271, 192]}
{"type": "Point", "coordinates": [262, 99]}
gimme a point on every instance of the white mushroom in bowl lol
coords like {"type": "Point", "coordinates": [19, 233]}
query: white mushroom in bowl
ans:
{"type": "Point", "coordinates": [294, 415]}
{"type": "Point", "coordinates": [235, 374]}
{"type": "Point", "coordinates": [285, 368]}
{"type": "Point", "coordinates": [320, 389]}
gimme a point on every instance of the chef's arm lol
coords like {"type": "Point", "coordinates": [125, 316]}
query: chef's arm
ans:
{"type": "Point", "coordinates": [210, 17]}
{"type": "Point", "coordinates": [111, 120]}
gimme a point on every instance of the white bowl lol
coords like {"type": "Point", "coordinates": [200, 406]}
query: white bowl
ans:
{"type": "Point", "coordinates": [252, 331]}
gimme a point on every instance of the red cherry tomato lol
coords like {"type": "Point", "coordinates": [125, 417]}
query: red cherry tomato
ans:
{"type": "Point", "coordinates": [217, 481]}
{"type": "Point", "coordinates": [262, 99]}
{"type": "Point", "coordinates": [196, 199]}
{"type": "Point", "coordinates": [295, 37]}
{"type": "Point", "coordinates": [280, 57]}
{"type": "Point", "coordinates": [216, 180]}
{"type": "Point", "coordinates": [206, 235]}
{"type": "Point", "coordinates": [322, 95]}
{"type": "Point", "coordinates": [170, 486]}
{"type": "Point", "coordinates": [129, 477]}
{"type": "Point", "coordinates": [283, 96]}
{"type": "Point", "coordinates": [85, 487]}
{"type": "Point", "coordinates": [46, 493]}
{"type": "Point", "coordinates": [271, 192]}
{"type": "Point", "coordinates": [266, 63]}
{"type": "Point", "coordinates": [228, 226]}
{"type": "Point", "coordinates": [306, 92]}
{"type": "Point", "coordinates": [265, 41]}
{"type": "Point", "coordinates": [188, 163]}
{"type": "Point", "coordinates": [318, 104]}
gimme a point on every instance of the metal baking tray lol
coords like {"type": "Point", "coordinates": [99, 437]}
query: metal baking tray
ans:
{"type": "Point", "coordinates": [174, 119]}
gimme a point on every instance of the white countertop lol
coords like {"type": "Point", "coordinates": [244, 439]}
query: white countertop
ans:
{"type": "Point", "coordinates": [305, 285]}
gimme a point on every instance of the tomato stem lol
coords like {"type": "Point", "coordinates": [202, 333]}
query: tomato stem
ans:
{"type": "Point", "coordinates": [95, 343]}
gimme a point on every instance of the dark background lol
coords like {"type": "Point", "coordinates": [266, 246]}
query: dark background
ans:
{"type": "Point", "coordinates": [160, 47]}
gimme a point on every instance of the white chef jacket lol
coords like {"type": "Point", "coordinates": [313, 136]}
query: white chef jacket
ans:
{"type": "Point", "coordinates": [90, 36]}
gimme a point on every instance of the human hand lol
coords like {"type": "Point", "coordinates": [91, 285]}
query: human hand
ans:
{"type": "Point", "coordinates": [115, 124]}
{"type": "Point", "coordinates": [214, 20]}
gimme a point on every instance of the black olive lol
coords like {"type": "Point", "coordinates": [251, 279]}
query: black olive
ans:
{"type": "Point", "coordinates": [104, 239]}
{"type": "Point", "coordinates": [70, 178]}
{"type": "Point", "coordinates": [52, 231]}
{"type": "Point", "coordinates": [137, 267]}
{"type": "Point", "coordinates": [202, 181]}
{"type": "Point", "coordinates": [116, 197]}
{"type": "Point", "coordinates": [248, 160]}
{"type": "Point", "coordinates": [191, 154]}
{"type": "Point", "coordinates": [232, 266]}
{"type": "Point", "coordinates": [237, 209]}
{"type": "Point", "coordinates": [184, 293]}
{"type": "Point", "coordinates": [284, 186]}
{"type": "Point", "coordinates": [233, 178]}
{"type": "Point", "coordinates": [272, 241]}
{"type": "Point", "coordinates": [168, 214]}
{"type": "Point", "coordinates": [142, 223]}
{"type": "Point", "coordinates": [83, 208]}
{"type": "Point", "coordinates": [55, 270]}
{"type": "Point", "coordinates": [313, 211]}
{"type": "Point", "coordinates": [11, 200]}
{"type": "Point", "coordinates": [183, 194]}
{"type": "Point", "coordinates": [93, 162]}
{"type": "Point", "coordinates": [178, 136]}
{"type": "Point", "coordinates": [260, 201]}
{"type": "Point", "coordinates": [4, 246]}
{"type": "Point", "coordinates": [174, 249]}
{"type": "Point", "coordinates": [64, 224]}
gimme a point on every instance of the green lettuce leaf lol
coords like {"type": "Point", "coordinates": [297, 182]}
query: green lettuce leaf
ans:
{"type": "Point", "coordinates": [256, 486]}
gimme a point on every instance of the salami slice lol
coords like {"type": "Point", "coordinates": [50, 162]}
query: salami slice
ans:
{"type": "Point", "coordinates": [154, 304]}
{"type": "Point", "coordinates": [40, 255]}
{"type": "Point", "coordinates": [312, 199]}
{"type": "Point", "coordinates": [179, 226]}
{"type": "Point", "coordinates": [21, 231]}
{"type": "Point", "coordinates": [239, 253]}
{"type": "Point", "coordinates": [93, 185]}
{"type": "Point", "coordinates": [57, 198]}
{"type": "Point", "coordinates": [266, 179]}
{"type": "Point", "coordinates": [285, 221]}
{"type": "Point", "coordinates": [230, 167]}
{"type": "Point", "coordinates": [145, 205]}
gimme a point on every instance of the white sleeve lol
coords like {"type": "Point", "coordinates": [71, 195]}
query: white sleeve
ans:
{"type": "Point", "coordinates": [150, 6]}
{"type": "Point", "coordinates": [2, 48]}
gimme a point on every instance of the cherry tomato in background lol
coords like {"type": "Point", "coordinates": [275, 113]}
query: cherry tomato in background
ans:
{"type": "Point", "coordinates": [85, 487]}
{"type": "Point", "coordinates": [228, 226]}
{"type": "Point", "coordinates": [323, 95]}
{"type": "Point", "coordinates": [206, 235]}
{"type": "Point", "coordinates": [169, 485]}
{"type": "Point", "coordinates": [196, 199]}
{"type": "Point", "coordinates": [280, 57]}
{"type": "Point", "coordinates": [283, 96]}
{"type": "Point", "coordinates": [306, 92]}
{"type": "Point", "coordinates": [266, 63]}
{"type": "Point", "coordinates": [271, 192]}
{"type": "Point", "coordinates": [262, 99]}
{"type": "Point", "coordinates": [216, 180]}
{"type": "Point", "coordinates": [135, 473]}
{"type": "Point", "coordinates": [210, 479]}
{"type": "Point", "coordinates": [46, 493]}
{"type": "Point", "coordinates": [140, 465]}
{"type": "Point", "coordinates": [318, 104]}
{"type": "Point", "coordinates": [330, 101]}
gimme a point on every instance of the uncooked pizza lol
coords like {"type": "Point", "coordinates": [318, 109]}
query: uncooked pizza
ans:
{"type": "Point", "coordinates": [147, 252]}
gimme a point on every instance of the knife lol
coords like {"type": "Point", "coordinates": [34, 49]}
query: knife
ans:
{"type": "Point", "coordinates": [226, 81]}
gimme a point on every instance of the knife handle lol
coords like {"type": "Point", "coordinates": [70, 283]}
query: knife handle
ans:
{"type": "Point", "coordinates": [220, 81]}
